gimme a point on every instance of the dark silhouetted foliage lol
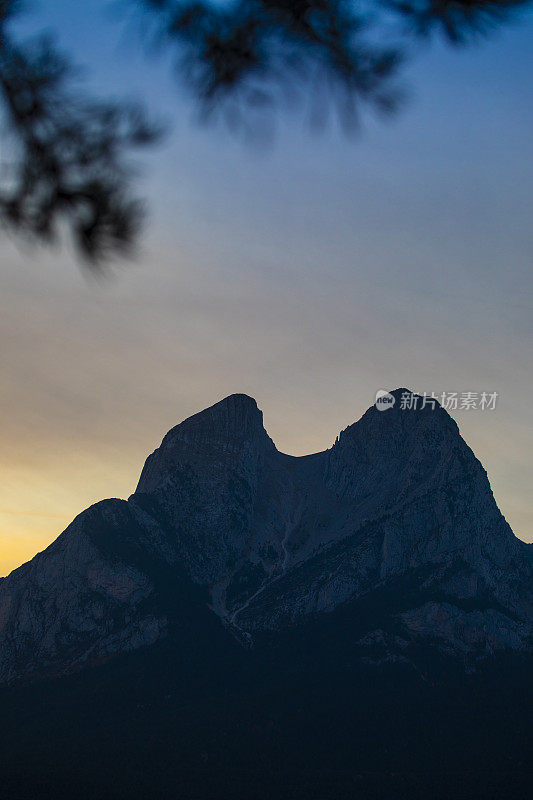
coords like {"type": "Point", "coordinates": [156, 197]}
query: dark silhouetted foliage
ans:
{"type": "Point", "coordinates": [242, 58]}
{"type": "Point", "coordinates": [67, 160]}
{"type": "Point", "coordinates": [246, 51]}
{"type": "Point", "coordinates": [459, 20]}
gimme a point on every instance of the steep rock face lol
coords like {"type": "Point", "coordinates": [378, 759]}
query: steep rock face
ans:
{"type": "Point", "coordinates": [397, 516]}
{"type": "Point", "coordinates": [202, 484]}
{"type": "Point", "coordinates": [86, 597]}
{"type": "Point", "coordinates": [413, 471]}
{"type": "Point", "coordinates": [415, 463]}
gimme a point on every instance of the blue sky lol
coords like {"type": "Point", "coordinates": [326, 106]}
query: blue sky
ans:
{"type": "Point", "coordinates": [308, 273]}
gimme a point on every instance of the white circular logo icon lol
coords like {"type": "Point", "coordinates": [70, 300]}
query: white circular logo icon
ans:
{"type": "Point", "coordinates": [384, 400]}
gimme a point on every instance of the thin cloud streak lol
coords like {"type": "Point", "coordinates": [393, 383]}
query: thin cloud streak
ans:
{"type": "Point", "coordinates": [43, 514]}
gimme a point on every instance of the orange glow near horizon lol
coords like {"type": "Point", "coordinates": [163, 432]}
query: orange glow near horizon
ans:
{"type": "Point", "coordinates": [39, 500]}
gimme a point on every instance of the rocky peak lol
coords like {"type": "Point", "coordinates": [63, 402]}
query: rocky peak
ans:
{"type": "Point", "coordinates": [398, 428]}
{"type": "Point", "coordinates": [236, 417]}
{"type": "Point", "coordinates": [390, 454]}
{"type": "Point", "coordinates": [202, 483]}
{"type": "Point", "coordinates": [224, 432]}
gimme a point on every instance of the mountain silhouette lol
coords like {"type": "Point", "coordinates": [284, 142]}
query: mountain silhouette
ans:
{"type": "Point", "coordinates": [399, 507]}
{"type": "Point", "coordinates": [250, 625]}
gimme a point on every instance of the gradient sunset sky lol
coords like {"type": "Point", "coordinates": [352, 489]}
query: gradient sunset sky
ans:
{"type": "Point", "coordinates": [308, 273]}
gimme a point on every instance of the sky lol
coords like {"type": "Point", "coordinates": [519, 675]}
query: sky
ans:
{"type": "Point", "coordinates": [308, 272]}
